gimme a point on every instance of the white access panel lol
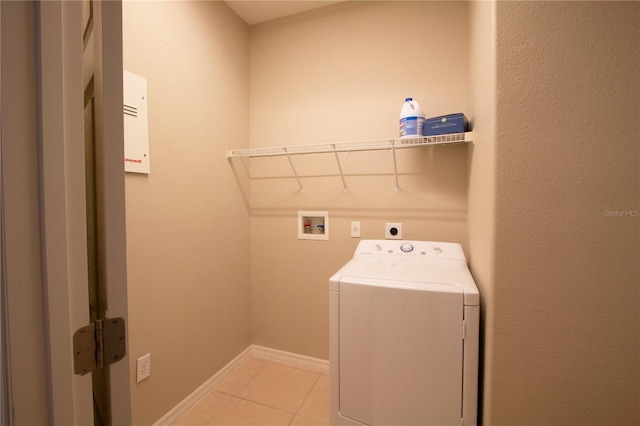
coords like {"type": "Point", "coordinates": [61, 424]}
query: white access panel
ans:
{"type": "Point", "coordinates": [400, 352]}
{"type": "Point", "coordinates": [136, 128]}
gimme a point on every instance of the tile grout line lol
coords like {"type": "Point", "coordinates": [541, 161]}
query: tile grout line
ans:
{"type": "Point", "coordinates": [306, 397]}
{"type": "Point", "coordinates": [252, 377]}
{"type": "Point", "coordinates": [257, 403]}
{"type": "Point", "coordinates": [294, 367]}
{"type": "Point", "coordinates": [231, 396]}
{"type": "Point", "coordinates": [278, 364]}
{"type": "Point", "coordinates": [224, 405]}
{"type": "Point", "coordinates": [289, 365]}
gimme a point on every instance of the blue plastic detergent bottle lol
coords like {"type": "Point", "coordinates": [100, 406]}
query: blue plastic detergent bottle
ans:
{"type": "Point", "coordinates": [411, 119]}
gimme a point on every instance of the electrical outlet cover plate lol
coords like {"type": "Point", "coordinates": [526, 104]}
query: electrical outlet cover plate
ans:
{"type": "Point", "coordinates": [355, 229]}
{"type": "Point", "coordinates": [393, 231]}
{"type": "Point", "coordinates": [143, 367]}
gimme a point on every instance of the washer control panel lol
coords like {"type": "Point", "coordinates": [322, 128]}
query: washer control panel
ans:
{"type": "Point", "coordinates": [431, 249]}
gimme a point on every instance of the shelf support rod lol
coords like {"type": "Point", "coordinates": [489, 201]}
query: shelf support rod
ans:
{"type": "Point", "coordinates": [294, 170]}
{"type": "Point", "coordinates": [344, 183]}
{"type": "Point", "coordinates": [239, 182]}
{"type": "Point", "coordinates": [395, 165]}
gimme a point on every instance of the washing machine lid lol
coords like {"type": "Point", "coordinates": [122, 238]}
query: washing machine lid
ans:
{"type": "Point", "coordinates": [430, 266]}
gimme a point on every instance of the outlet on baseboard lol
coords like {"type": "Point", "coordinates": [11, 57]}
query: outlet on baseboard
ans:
{"type": "Point", "coordinates": [143, 367]}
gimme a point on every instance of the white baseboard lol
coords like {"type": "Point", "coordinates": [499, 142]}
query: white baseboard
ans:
{"type": "Point", "coordinates": [275, 355]}
{"type": "Point", "coordinates": [289, 358]}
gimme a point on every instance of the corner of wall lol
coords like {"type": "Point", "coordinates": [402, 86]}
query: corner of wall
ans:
{"type": "Point", "coordinates": [482, 179]}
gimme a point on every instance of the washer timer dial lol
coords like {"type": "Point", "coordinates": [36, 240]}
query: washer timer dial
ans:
{"type": "Point", "coordinates": [406, 247]}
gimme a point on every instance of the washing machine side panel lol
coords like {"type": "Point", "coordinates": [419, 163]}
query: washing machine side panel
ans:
{"type": "Point", "coordinates": [334, 353]}
{"type": "Point", "coordinates": [471, 362]}
{"type": "Point", "coordinates": [400, 355]}
{"type": "Point", "coordinates": [334, 363]}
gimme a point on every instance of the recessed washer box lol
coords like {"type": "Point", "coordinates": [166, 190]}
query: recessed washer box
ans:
{"type": "Point", "coordinates": [313, 225]}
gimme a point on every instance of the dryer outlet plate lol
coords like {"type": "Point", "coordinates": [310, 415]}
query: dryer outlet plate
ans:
{"type": "Point", "coordinates": [393, 231]}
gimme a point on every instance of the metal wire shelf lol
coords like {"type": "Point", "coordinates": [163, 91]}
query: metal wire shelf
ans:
{"type": "Point", "coordinates": [366, 145]}
{"type": "Point", "coordinates": [337, 147]}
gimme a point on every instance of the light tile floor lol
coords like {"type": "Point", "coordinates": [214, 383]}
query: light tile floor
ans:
{"type": "Point", "coordinates": [264, 393]}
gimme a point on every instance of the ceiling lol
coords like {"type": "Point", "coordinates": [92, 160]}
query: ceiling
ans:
{"type": "Point", "coordinates": [257, 11]}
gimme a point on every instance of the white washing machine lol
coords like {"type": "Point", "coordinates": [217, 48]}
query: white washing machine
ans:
{"type": "Point", "coordinates": [404, 336]}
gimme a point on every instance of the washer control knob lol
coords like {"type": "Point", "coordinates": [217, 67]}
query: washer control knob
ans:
{"type": "Point", "coordinates": [406, 247]}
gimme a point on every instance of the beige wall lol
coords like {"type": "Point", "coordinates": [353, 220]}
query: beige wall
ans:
{"type": "Point", "coordinates": [187, 226]}
{"type": "Point", "coordinates": [565, 336]}
{"type": "Point", "coordinates": [341, 73]}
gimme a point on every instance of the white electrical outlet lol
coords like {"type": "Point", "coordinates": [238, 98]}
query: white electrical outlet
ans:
{"type": "Point", "coordinates": [393, 231]}
{"type": "Point", "coordinates": [355, 229]}
{"type": "Point", "coordinates": [143, 368]}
